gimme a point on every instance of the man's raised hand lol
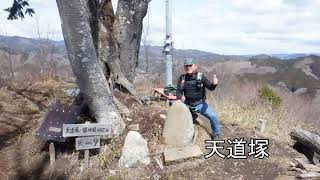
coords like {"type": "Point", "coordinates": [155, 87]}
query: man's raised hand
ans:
{"type": "Point", "coordinates": [215, 79]}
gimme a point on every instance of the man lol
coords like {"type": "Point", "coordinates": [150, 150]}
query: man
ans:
{"type": "Point", "coordinates": [193, 86]}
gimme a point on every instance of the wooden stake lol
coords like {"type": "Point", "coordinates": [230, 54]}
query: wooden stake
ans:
{"type": "Point", "coordinates": [86, 158]}
{"type": "Point", "coordinates": [52, 154]}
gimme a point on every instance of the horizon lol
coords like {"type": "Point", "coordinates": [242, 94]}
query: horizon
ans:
{"type": "Point", "coordinates": [141, 47]}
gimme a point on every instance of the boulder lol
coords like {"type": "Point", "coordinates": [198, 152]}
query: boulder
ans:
{"type": "Point", "coordinates": [135, 151]}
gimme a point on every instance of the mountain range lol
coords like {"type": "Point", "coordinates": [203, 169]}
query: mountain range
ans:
{"type": "Point", "coordinates": [293, 71]}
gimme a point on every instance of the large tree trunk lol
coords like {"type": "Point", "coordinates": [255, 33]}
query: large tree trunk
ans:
{"type": "Point", "coordinates": [103, 50]}
{"type": "Point", "coordinates": [127, 30]}
{"type": "Point", "coordinates": [103, 34]}
{"type": "Point", "coordinates": [88, 71]}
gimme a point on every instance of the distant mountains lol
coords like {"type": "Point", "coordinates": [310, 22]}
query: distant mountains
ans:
{"type": "Point", "coordinates": [24, 44]}
{"type": "Point", "coordinates": [294, 72]}
{"type": "Point", "coordinates": [293, 56]}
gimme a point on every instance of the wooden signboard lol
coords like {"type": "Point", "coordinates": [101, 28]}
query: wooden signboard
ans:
{"type": "Point", "coordinates": [97, 129]}
{"type": "Point", "coordinates": [91, 142]}
{"type": "Point", "coordinates": [57, 115]}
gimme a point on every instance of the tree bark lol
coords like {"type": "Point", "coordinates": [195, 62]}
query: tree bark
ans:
{"type": "Point", "coordinates": [104, 29]}
{"type": "Point", "coordinates": [88, 71]}
{"type": "Point", "coordinates": [310, 141]}
{"type": "Point", "coordinates": [127, 30]}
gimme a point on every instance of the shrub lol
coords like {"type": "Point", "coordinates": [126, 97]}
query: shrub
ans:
{"type": "Point", "coordinates": [267, 95]}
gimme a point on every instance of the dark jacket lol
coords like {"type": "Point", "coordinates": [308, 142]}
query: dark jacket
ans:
{"type": "Point", "coordinates": [191, 88]}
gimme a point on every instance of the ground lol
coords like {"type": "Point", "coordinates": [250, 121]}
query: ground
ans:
{"type": "Point", "coordinates": [26, 157]}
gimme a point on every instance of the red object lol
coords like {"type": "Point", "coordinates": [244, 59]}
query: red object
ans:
{"type": "Point", "coordinates": [161, 92]}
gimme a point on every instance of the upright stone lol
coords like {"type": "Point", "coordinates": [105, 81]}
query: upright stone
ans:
{"type": "Point", "coordinates": [178, 127]}
{"type": "Point", "coordinates": [135, 151]}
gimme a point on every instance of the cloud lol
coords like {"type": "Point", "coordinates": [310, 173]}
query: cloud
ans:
{"type": "Point", "coordinates": [249, 26]}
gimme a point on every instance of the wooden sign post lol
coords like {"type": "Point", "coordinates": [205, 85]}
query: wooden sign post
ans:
{"type": "Point", "coordinates": [52, 154]}
{"type": "Point", "coordinates": [88, 136]}
{"type": "Point", "coordinates": [86, 143]}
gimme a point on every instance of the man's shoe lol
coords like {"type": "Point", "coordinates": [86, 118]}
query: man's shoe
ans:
{"type": "Point", "coordinates": [215, 137]}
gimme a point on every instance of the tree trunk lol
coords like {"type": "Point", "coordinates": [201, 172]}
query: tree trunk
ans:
{"type": "Point", "coordinates": [105, 44]}
{"type": "Point", "coordinates": [310, 141]}
{"type": "Point", "coordinates": [127, 30]}
{"type": "Point", "coordinates": [88, 71]}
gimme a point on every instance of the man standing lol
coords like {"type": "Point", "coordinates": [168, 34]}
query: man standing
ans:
{"type": "Point", "coordinates": [193, 86]}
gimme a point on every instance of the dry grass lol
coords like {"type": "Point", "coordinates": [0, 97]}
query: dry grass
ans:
{"type": "Point", "coordinates": [246, 116]}
{"type": "Point", "coordinates": [54, 90]}
{"type": "Point", "coordinates": [242, 107]}
{"type": "Point", "coordinates": [237, 103]}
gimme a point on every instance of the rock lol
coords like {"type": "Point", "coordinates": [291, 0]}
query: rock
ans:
{"type": "Point", "coordinates": [178, 127]}
{"type": "Point", "coordinates": [162, 116]}
{"type": "Point", "coordinates": [129, 119]}
{"type": "Point", "coordinates": [309, 175]}
{"type": "Point", "coordinates": [134, 127]}
{"type": "Point", "coordinates": [174, 155]}
{"type": "Point", "coordinates": [300, 91]}
{"type": "Point", "coordinates": [283, 86]}
{"type": "Point", "coordinates": [156, 177]}
{"type": "Point", "coordinates": [135, 151]}
{"type": "Point", "coordinates": [285, 177]}
{"type": "Point", "coordinates": [307, 166]}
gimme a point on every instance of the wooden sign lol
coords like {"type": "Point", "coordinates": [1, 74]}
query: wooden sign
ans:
{"type": "Point", "coordinates": [90, 142]}
{"type": "Point", "coordinates": [94, 129]}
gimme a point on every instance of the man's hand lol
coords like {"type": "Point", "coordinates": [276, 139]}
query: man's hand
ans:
{"type": "Point", "coordinates": [215, 80]}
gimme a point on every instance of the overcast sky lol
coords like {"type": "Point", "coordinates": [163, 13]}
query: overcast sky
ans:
{"type": "Point", "coordinates": [219, 26]}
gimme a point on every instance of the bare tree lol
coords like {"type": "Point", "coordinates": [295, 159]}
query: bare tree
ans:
{"type": "Point", "coordinates": [8, 56]}
{"type": "Point", "coordinates": [46, 52]}
{"type": "Point", "coordinates": [43, 55]}
{"type": "Point", "coordinates": [103, 49]}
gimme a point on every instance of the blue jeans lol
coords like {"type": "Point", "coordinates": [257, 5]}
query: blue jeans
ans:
{"type": "Point", "coordinates": [209, 113]}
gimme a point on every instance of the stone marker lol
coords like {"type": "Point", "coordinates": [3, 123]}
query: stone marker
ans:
{"type": "Point", "coordinates": [135, 151]}
{"type": "Point", "coordinates": [178, 127]}
{"type": "Point", "coordinates": [175, 155]}
{"type": "Point", "coordinates": [261, 125]}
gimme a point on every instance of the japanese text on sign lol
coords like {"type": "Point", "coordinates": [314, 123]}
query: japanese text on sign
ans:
{"type": "Point", "coordinates": [72, 130]}
{"type": "Point", "coordinates": [91, 142]}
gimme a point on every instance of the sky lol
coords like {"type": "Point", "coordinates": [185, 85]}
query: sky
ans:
{"type": "Point", "coordinates": [218, 26]}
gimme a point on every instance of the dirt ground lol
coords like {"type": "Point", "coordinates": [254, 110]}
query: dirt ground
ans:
{"type": "Point", "coordinates": [26, 157]}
